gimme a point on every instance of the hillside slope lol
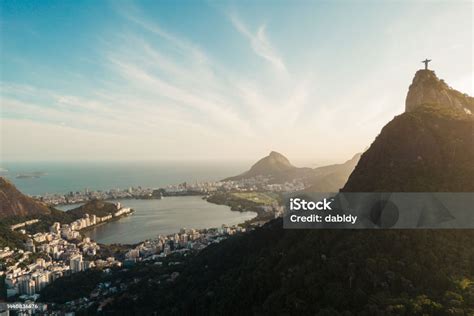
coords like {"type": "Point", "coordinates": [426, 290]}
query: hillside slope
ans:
{"type": "Point", "coordinates": [15, 207]}
{"type": "Point", "coordinates": [331, 178]}
{"type": "Point", "coordinates": [278, 169]}
{"type": "Point", "coordinates": [95, 207]}
{"type": "Point", "coordinates": [429, 148]}
{"type": "Point", "coordinates": [15, 203]}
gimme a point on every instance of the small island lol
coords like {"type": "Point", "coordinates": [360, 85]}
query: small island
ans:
{"type": "Point", "coordinates": [31, 175]}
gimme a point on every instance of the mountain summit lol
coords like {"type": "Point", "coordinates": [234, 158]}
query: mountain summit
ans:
{"type": "Point", "coordinates": [429, 148]}
{"type": "Point", "coordinates": [274, 165]}
{"type": "Point", "coordinates": [274, 162]}
{"type": "Point", "coordinates": [426, 88]}
{"type": "Point", "coordinates": [278, 169]}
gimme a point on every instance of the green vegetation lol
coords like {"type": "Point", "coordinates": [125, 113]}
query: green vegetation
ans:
{"type": "Point", "coordinates": [435, 110]}
{"type": "Point", "coordinates": [263, 198]}
{"type": "Point", "coordinates": [95, 207]}
{"type": "Point", "coordinates": [15, 203]}
{"type": "Point", "coordinates": [247, 202]}
{"type": "Point", "coordinates": [9, 238]}
{"type": "Point", "coordinates": [45, 220]}
{"type": "Point", "coordinates": [3, 287]}
{"type": "Point", "coordinates": [276, 271]}
{"type": "Point", "coordinates": [114, 250]}
{"type": "Point", "coordinates": [430, 149]}
{"type": "Point", "coordinates": [81, 284]}
{"type": "Point", "coordinates": [71, 287]}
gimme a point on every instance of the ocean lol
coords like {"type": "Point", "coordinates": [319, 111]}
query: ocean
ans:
{"type": "Point", "coordinates": [63, 177]}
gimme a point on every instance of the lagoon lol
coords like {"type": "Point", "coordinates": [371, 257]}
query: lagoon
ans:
{"type": "Point", "coordinates": [165, 216]}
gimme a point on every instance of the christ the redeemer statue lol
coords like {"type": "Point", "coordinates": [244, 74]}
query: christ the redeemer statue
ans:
{"type": "Point", "coordinates": [426, 61]}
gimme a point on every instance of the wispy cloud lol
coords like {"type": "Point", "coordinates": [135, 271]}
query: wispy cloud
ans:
{"type": "Point", "coordinates": [134, 14]}
{"type": "Point", "coordinates": [260, 43]}
{"type": "Point", "coordinates": [164, 85]}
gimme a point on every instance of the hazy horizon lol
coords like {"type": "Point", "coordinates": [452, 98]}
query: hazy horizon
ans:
{"type": "Point", "coordinates": [244, 162]}
{"type": "Point", "coordinates": [217, 81]}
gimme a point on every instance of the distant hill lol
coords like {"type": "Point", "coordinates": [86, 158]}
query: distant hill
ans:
{"type": "Point", "coordinates": [331, 178]}
{"type": "Point", "coordinates": [95, 207]}
{"type": "Point", "coordinates": [278, 169]}
{"type": "Point", "coordinates": [16, 207]}
{"type": "Point", "coordinates": [275, 165]}
{"type": "Point", "coordinates": [15, 203]}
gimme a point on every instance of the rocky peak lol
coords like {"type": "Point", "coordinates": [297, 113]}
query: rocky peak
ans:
{"type": "Point", "coordinates": [273, 162]}
{"type": "Point", "coordinates": [273, 165]}
{"type": "Point", "coordinates": [277, 155]}
{"type": "Point", "coordinates": [427, 88]}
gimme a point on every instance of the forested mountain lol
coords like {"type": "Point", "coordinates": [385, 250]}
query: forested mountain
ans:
{"type": "Point", "coordinates": [15, 203]}
{"type": "Point", "coordinates": [331, 178]}
{"type": "Point", "coordinates": [429, 148]}
{"type": "Point", "coordinates": [278, 169]}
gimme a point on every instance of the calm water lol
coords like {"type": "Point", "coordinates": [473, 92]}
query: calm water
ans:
{"type": "Point", "coordinates": [63, 177]}
{"type": "Point", "coordinates": [166, 216]}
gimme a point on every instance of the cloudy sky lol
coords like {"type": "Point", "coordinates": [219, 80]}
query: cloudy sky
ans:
{"type": "Point", "coordinates": [161, 80]}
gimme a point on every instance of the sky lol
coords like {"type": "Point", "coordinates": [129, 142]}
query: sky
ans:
{"type": "Point", "coordinates": [193, 80]}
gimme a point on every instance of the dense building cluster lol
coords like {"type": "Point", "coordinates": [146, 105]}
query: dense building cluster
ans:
{"type": "Point", "coordinates": [183, 241]}
{"type": "Point", "coordinates": [56, 253]}
{"type": "Point", "coordinates": [53, 254]}
{"type": "Point", "coordinates": [49, 256]}
{"type": "Point", "coordinates": [259, 183]}
{"type": "Point", "coordinates": [88, 195]}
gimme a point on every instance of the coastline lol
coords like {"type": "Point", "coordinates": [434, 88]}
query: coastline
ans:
{"type": "Point", "coordinates": [105, 200]}
{"type": "Point", "coordinates": [242, 205]}
{"type": "Point", "coordinates": [113, 219]}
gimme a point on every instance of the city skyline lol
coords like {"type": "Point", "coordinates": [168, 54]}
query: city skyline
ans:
{"type": "Point", "coordinates": [204, 80]}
